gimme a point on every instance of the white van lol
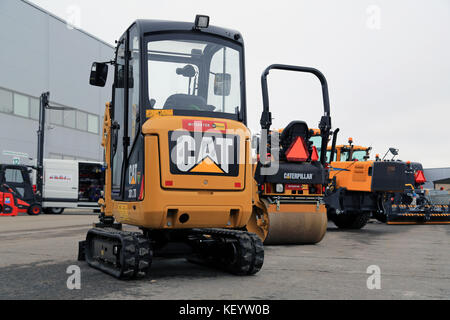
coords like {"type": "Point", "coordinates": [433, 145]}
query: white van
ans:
{"type": "Point", "coordinates": [72, 184]}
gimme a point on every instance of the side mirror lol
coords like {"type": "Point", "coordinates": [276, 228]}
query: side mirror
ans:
{"type": "Point", "coordinates": [222, 84]}
{"type": "Point", "coordinates": [99, 74]}
{"type": "Point", "coordinates": [394, 151]}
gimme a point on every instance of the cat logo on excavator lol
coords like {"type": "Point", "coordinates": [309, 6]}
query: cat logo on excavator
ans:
{"type": "Point", "coordinates": [203, 153]}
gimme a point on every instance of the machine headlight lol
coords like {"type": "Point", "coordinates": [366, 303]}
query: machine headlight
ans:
{"type": "Point", "coordinates": [201, 21]}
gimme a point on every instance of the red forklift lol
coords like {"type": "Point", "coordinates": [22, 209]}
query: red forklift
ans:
{"type": "Point", "coordinates": [16, 191]}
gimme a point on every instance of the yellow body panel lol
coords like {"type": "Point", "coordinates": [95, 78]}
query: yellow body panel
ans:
{"type": "Point", "coordinates": [209, 201]}
{"type": "Point", "coordinates": [297, 207]}
{"type": "Point", "coordinates": [106, 144]}
{"type": "Point", "coordinates": [352, 175]}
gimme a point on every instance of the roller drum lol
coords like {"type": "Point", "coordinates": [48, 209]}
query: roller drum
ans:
{"type": "Point", "coordinates": [296, 224]}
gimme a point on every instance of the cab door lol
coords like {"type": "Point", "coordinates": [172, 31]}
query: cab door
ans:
{"type": "Point", "coordinates": [117, 115]}
{"type": "Point", "coordinates": [127, 156]}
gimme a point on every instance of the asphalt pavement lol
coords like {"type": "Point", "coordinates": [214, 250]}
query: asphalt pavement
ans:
{"type": "Point", "coordinates": [414, 263]}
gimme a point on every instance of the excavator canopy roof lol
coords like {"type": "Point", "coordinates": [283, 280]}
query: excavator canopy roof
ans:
{"type": "Point", "coordinates": [146, 27]}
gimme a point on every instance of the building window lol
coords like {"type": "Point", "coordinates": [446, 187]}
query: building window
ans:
{"type": "Point", "coordinates": [28, 107]}
{"type": "Point", "coordinates": [56, 117]}
{"type": "Point", "coordinates": [81, 121]}
{"type": "Point", "coordinates": [6, 101]}
{"type": "Point", "coordinates": [69, 118]}
{"type": "Point", "coordinates": [21, 105]}
{"type": "Point", "coordinates": [92, 123]}
{"type": "Point", "coordinates": [34, 108]}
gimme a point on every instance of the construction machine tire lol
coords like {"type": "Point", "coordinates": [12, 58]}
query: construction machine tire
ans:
{"type": "Point", "coordinates": [296, 224]}
{"type": "Point", "coordinates": [380, 216]}
{"type": "Point", "coordinates": [34, 210]}
{"type": "Point", "coordinates": [238, 252]}
{"type": "Point", "coordinates": [352, 220]}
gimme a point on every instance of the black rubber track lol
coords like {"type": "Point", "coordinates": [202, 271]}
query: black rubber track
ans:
{"type": "Point", "coordinates": [238, 252]}
{"type": "Point", "coordinates": [258, 248]}
{"type": "Point", "coordinates": [135, 253]}
{"type": "Point", "coordinates": [248, 255]}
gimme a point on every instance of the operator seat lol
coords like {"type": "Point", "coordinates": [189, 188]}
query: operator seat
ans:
{"type": "Point", "coordinates": [181, 101]}
{"type": "Point", "coordinates": [293, 130]}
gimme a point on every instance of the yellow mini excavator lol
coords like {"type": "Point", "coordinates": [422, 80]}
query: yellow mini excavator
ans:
{"type": "Point", "coordinates": [177, 152]}
{"type": "Point", "coordinates": [291, 176]}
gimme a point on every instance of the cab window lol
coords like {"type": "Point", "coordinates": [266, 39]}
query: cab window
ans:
{"type": "Point", "coordinates": [198, 74]}
{"type": "Point", "coordinates": [13, 175]}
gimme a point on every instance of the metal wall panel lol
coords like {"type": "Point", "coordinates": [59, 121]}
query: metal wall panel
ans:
{"type": "Point", "coordinates": [39, 53]}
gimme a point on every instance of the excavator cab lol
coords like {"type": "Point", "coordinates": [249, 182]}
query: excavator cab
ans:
{"type": "Point", "coordinates": [177, 151]}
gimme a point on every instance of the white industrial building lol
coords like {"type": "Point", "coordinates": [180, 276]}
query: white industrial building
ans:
{"type": "Point", "coordinates": [437, 178]}
{"type": "Point", "coordinates": [39, 53]}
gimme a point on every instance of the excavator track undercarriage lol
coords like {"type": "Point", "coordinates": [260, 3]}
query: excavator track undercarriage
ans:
{"type": "Point", "coordinates": [234, 251]}
{"type": "Point", "coordinates": [128, 255]}
{"type": "Point", "coordinates": [122, 254]}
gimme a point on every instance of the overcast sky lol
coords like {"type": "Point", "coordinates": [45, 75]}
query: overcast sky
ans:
{"type": "Point", "coordinates": [387, 62]}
